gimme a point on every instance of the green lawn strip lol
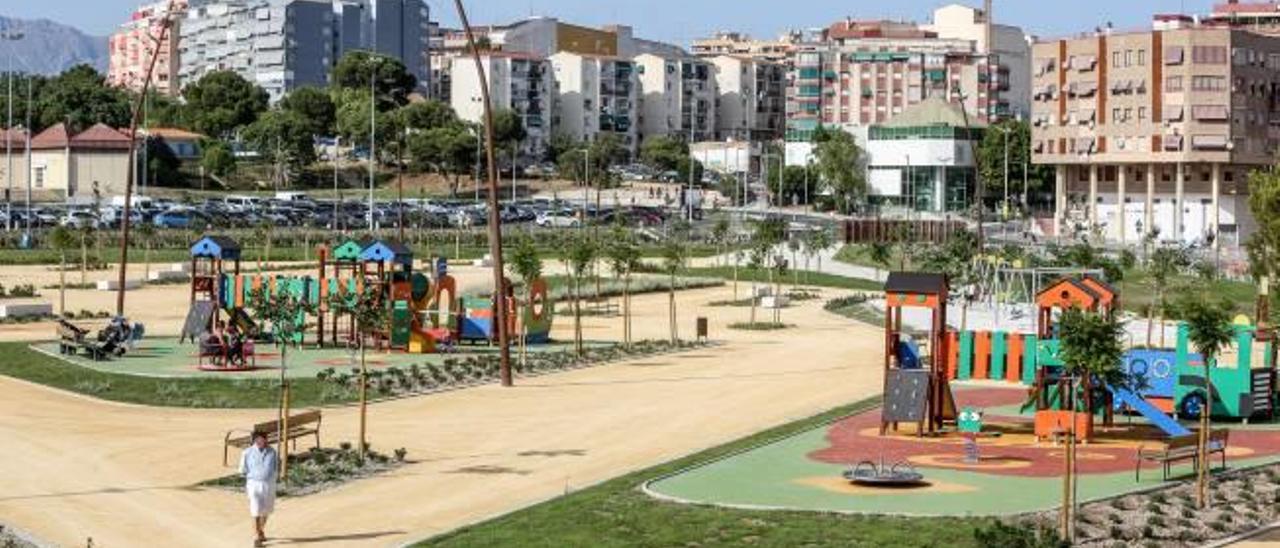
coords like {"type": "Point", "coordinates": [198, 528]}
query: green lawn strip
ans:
{"type": "Point", "coordinates": [1137, 292]}
{"type": "Point", "coordinates": [617, 513]}
{"type": "Point", "coordinates": [807, 278]}
{"type": "Point", "coordinates": [21, 362]}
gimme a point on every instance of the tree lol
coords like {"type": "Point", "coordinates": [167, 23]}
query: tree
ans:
{"type": "Point", "coordinates": [223, 101]}
{"type": "Point", "coordinates": [956, 260]}
{"type": "Point", "coordinates": [842, 165]}
{"type": "Point", "coordinates": [286, 313]}
{"type": "Point", "coordinates": [285, 137]}
{"type": "Point", "coordinates": [1264, 244]}
{"type": "Point", "coordinates": [313, 105]}
{"type": "Point", "coordinates": [508, 128]}
{"type": "Point", "coordinates": [581, 254]}
{"type": "Point", "coordinates": [798, 184]}
{"type": "Point", "coordinates": [674, 255]}
{"type": "Point", "coordinates": [664, 152]}
{"type": "Point", "coordinates": [80, 97]}
{"type": "Point", "coordinates": [62, 239]}
{"type": "Point", "coordinates": [881, 255]}
{"type": "Point", "coordinates": [217, 159]}
{"type": "Point", "coordinates": [391, 80]}
{"type": "Point", "coordinates": [720, 234]}
{"type": "Point", "coordinates": [1091, 348]}
{"type": "Point", "coordinates": [991, 159]}
{"type": "Point", "coordinates": [162, 164]}
{"type": "Point", "coordinates": [525, 263]}
{"type": "Point", "coordinates": [353, 120]}
{"type": "Point", "coordinates": [429, 114]}
{"type": "Point", "coordinates": [768, 235]}
{"type": "Point", "coordinates": [819, 242]}
{"type": "Point", "coordinates": [370, 314]}
{"type": "Point", "coordinates": [1164, 263]}
{"type": "Point", "coordinates": [446, 150]}
{"type": "Point", "coordinates": [624, 259]}
{"type": "Point", "coordinates": [1209, 331]}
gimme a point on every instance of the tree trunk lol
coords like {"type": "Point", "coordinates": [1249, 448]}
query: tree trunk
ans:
{"type": "Point", "coordinates": [1160, 314]}
{"type": "Point", "coordinates": [671, 302]}
{"type": "Point", "coordinates": [626, 309]}
{"type": "Point", "coordinates": [1202, 466]}
{"type": "Point", "coordinates": [84, 260]}
{"type": "Point", "coordinates": [577, 315]}
{"type": "Point", "coordinates": [284, 414]}
{"type": "Point", "coordinates": [364, 400]}
{"type": "Point", "coordinates": [146, 263]}
{"type": "Point", "coordinates": [735, 276]}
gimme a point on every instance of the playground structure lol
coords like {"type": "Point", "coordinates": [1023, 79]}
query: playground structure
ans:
{"type": "Point", "coordinates": [425, 312]}
{"type": "Point", "coordinates": [916, 387]}
{"type": "Point", "coordinates": [1243, 380]}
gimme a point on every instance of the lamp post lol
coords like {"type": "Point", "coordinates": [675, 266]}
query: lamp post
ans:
{"type": "Point", "coordinates": [373, 132]}
{"type": "Point", "coordinates": [9, 36]}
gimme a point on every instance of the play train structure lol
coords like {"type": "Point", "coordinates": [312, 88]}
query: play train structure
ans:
{"type": "Point", "coordinates": [425, 312]}
{"type": "Point", "coordinates": [920, 367]}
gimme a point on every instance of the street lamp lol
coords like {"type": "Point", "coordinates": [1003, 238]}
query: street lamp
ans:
{"type": "Point", "coordinates": [9, 36]}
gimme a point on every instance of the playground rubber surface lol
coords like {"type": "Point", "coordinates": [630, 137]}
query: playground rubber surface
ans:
{"type": "Point", "coordinates": [76, 467]}
{"type": "Point", "coordinates": [1014, 474]}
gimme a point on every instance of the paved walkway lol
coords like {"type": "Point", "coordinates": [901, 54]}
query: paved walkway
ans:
{"type": "Point", "coordinates": [77, 468]}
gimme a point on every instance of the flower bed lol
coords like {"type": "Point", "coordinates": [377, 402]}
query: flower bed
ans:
{"type": "Point", "coordinates": [322, 468]}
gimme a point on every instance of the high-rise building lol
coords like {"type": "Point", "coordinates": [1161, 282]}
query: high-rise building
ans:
{"type": "Point", "coordinates": [595, 95]}
{"type": "Point", "coordinates": [282, 45]}
{"type": "Point", "coordinates": [677, 97]}
{"type": "Point", "coordinates": [517, 81]}
{"type": "Point", "coordinates": [131, 47]}
{"type": "Point", "coordinates": [856, 74]}
{"type": "Point", "coordinates": [1155, 132]}
{"type": "Point", "coordinates": [751, 101]}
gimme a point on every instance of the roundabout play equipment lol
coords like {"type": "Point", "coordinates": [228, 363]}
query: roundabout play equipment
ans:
{"type": "Point", "coordinates": [900, 474]}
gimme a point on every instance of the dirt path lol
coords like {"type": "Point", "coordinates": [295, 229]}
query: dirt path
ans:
{"type": "Point", "coordinates": [76, 468]}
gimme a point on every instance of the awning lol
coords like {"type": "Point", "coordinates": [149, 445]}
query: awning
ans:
{"type": "Point", "coordinates": [1173, 55]}
{"type": "Point", "coordinates": [1209, 142]}
{"type": "Point", "coordinates": [1173, 113]}
{"type": "Point", "coordinates": [1173, 143]}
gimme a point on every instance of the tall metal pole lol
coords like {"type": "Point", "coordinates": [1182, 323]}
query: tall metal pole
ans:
{"type": "Point", "coordinates": [8, 154]}
{"type": "Point", "coordinates": [688, 196]}
{"type": "Point", "coordinates": [337, 160]}
{"type": "Point", "coordinates": [125, 221]}
{"type": "Point", "coordinates": [31, 170]}
{"type": "Point", "coordinates": [495, 225]}
{"type": "Point", "coordinates": [373, 131]}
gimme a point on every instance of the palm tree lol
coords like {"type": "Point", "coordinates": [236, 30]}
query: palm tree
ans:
{"type": "Point", "coordinates": [581, 255]}
{"type": "Point", "coordinates": [674, 255]}
{"type": "Point", "coordinates": [62, 240]}
{"type": "Point", "coordinates": [527, 265]}
{"type": "Point", "coordinates": [1091, 350]}
{"type": "Point", "coordinates": [624, 258]}
{"type": "Point", "coordinates": [1209, 331]}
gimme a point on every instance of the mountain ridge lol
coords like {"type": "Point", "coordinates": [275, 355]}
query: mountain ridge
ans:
{"type": "Point", "coordinates": [49, 47]}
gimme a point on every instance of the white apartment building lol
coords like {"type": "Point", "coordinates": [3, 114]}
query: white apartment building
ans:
{"type": "Point", "coordinates": [594, 95]}
{"type": "Point", "coordinates": [751, 101]}
{"type": "Point", "coordinates": [517, 81]}
{"type": "Point", "coordinates": [677, 97]}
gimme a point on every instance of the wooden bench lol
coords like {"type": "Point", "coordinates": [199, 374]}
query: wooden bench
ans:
{"type": "Point", "coordinates": [70, 337]}
{"type": "Point", "coordinates": [301, 425]}
{"type": "Point", "coordinates": [1180, 449]}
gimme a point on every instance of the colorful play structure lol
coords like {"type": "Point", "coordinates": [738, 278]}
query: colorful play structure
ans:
{"type": "Point", "coordinates": [1243, 381]}
{"type": "Point", "coordinates": [425, 312]}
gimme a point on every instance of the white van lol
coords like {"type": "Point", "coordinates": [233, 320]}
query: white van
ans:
{"type": "Point", "coordinates": [241, 203]}
{"type": "Point", "coordinates": [292, 196]}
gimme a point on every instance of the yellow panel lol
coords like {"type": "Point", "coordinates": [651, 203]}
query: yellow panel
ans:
{"type": "Point", "coordinates": [585, 41]}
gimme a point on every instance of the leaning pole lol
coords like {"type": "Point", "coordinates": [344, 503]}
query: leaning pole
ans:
{"type": "Point", "coordinates": [495, 220]}
{"type": "Point", "coordinates": [138, 105]}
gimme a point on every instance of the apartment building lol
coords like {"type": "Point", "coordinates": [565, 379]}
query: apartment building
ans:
{"type": "Point", "coordinates": [1156, 130]}
{"type": "Point", "coordinates": [855, 74]}
{"type": "Point", "coordinates": [130, 49]}
{"type": "Point", "coordinates": [742, 45]}
{"type": "Point", "coordinates": [677, 97]}
{"type": "Point", "coordinates": [282, 45]}
{"type": "Point", "coordinates": [517, 81]}
{"type": "Point", "coordinates": [595, 95]}
{"type": "Point", "coordinates": [751, 98]}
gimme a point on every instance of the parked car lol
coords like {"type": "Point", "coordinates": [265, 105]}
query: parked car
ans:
{"type": "Point", "coordinates": [81, 220]}
{"type": "Point", "coordinates": [558, 219]}
{"type": "Point", "coordinates": [180, 218]}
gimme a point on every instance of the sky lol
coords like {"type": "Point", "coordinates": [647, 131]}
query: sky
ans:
{"type": "Point", "coordinates": [681, 21]}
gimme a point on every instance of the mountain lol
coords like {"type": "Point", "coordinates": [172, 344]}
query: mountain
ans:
{"type": "Point", "coordinates": [50, 48]}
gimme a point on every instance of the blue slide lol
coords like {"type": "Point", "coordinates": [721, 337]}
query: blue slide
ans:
{"type": "Point", "coordinates": [908, 355]}
{"type": "Point", "coordinates": [1157, 417]}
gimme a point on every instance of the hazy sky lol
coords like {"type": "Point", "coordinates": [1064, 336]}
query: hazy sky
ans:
{"type": "Point", "coordinates": [682, 20]}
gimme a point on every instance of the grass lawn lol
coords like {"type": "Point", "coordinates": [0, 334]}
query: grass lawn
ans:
{"type": "Point", "coordinates": [807, 278]}
{"type": "Point", "coordinates": [1137, 291]}
{"type": "Point", "coordinates": [22, 362]}
{"type": "Point", "coordinates": [616, 513]}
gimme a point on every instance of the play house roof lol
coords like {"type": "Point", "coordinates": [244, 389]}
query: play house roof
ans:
{"type": "Point", "coordinates": [350, 250]}
{"type": "Point", "coordinates": [1104, 290]}
{"type": "Point", "coordinates": [1071, 292]}
{"type": "Point", "coordinates": [387, 251]}
{"type": "Point", "coordinates": [216, 247]}
{"type": "Point", "coordinates": [916, 282]}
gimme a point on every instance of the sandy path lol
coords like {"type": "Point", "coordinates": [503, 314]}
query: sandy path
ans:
{"type": "Point", "coordinates": [76, 468]}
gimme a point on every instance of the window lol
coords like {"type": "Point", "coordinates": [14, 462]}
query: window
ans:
{"type": "Point", "coordinates": [1142, 114]}
{"type": "Point", "coordinates": [1128, 57]}
{"type": "Point", "coordinates": [1208, 83]}
{"type": "Point", "coordinates": [1209, 55]}
{"type": "Point", "coordinates": [1173, 83]}
{"type": "Point", "coordinates": [1142, 57]}
{"type": "Point", "coordinates": [1173, 55]}
{"type": "Point", "coordinates": [40, 177]}
{"type": "Point", "coordinates": [1116, 59]}
{"type": "Point", "coordinates": [1128, 114]}
{"type": "Point", "coordinates": [1115, 115]}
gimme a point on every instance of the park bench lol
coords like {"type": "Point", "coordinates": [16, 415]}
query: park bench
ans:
{"type": "Point", "coordinates": [1179, 449]}
{"type": "Point", "coordinates": [301, 425]}
{"type": "Point", "coordinates": [70, 337]}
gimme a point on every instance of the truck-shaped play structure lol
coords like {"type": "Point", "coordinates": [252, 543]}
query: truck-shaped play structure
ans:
{"type": "Point", "coordinates": [425, 312]}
